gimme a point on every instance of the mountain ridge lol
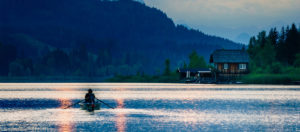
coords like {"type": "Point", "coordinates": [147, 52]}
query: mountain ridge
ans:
{"type": "Point", "coordinates": [120, 27]}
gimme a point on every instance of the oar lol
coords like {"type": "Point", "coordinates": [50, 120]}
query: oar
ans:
{"type": "Point", "coordinates": [73, 104]}
{"type": "Point", "coordinates": [106, 104]}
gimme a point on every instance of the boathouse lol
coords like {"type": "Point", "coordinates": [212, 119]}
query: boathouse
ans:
{"type": "Point", "coordinates": [197, 75]}
{"type": "Point", "coordinates": [230, 64]}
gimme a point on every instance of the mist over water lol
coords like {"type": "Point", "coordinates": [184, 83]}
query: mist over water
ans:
{"type": "Point", "coordinates": [150, 107]}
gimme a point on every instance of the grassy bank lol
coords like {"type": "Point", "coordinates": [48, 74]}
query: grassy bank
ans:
{"type": "Point", "coordinates": [145, 78]}
{"type": "Point", "coordinates": [270, 78]}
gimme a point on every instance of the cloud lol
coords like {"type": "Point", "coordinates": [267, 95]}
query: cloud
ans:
{"type": "Point", "coordinates": [226, 9]}
{"type": "Point", "coordinates": [230, 14]}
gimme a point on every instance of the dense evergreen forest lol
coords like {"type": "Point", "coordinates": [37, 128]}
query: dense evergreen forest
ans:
{"type": "Point", "coordinates": [275, 57]}
{"type": "Point", "coordinates": [94, 38]}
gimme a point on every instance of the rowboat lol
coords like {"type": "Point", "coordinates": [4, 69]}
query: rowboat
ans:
{"type": "Point", "coordinates": [90, 106]}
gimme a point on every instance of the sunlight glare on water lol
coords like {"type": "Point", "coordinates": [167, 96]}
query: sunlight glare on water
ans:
{"type": "Point", "coordinates": [150, 107]}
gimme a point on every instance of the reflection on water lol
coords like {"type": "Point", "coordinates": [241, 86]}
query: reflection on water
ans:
{"type": "Point", "coordinates": [65, 124]}
{"type": "Point", "coordinates": [121, 116]}
{"type": "Point", "coordinates": [150, 107]}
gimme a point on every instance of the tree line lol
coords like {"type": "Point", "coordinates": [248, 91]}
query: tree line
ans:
{"type": "Point", "coordinates": [276, 51]}
{"type": "Point", "coordinates": [168, 74]}
{"type": "Point", "coordinates": [58, 62]}
{"type": "Point", "coordinates": [275, 56]}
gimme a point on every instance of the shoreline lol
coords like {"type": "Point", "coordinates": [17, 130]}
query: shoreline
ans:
{"type": "Point", "coordinates": [68, 79]}
{"type": "Point", "coordinates": [170, 85]}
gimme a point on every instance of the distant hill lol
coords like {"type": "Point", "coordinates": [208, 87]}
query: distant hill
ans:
{"type": "Point", "coordinates": [123, 29]}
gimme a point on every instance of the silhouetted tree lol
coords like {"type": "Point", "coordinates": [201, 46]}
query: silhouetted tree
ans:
{"type": "Point", "coordinates": [167, 70]}
{"type": "Point", "coordinates": [8, 54]}
{"type": "Point", "coordinates": [297, 60]}
{"type": "Point", "coordinates": [273, 37]}
{"type": "Point", "coordinates": [57, 62]}
{"type": "Point", "coordinates": [196, 61]}
{"type": "Point", "coordinates": [292, 45]}
{"type": "Point", "coordinates": [21, 67]}
{"type": "Point", "coordinates": [185, 65]}
{"type": "Point", "coordinates": [269, 53]}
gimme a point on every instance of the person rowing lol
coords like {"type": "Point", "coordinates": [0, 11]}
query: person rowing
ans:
{"type": "Point", "coordinates": [90, 97]}
{"type": "Point", "coordinates": [90, 103]}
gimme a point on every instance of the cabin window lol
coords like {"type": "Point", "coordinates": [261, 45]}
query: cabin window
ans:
{"type": "Point", "coordinates": [225, 66]}
{"type": "Point", "coordinates": [242, 66]}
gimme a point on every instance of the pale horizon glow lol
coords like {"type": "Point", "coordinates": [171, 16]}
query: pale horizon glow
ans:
{"type": "Point", "coordinates": [230, 18]}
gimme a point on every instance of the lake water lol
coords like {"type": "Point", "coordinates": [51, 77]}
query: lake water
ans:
{"type": "Point", "coordinates": [150, 107]}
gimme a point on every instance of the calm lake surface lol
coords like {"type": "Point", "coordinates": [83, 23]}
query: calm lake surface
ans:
{"type": "Point", "coordinates": [150, 107]}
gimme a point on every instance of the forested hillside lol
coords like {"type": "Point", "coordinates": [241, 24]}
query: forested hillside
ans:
{"type": "Point", "coordinates": [94, 38]}
{"type": "Point", "coordinates": [275, 56]}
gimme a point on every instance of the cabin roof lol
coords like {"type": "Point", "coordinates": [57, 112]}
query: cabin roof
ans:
{"type": "Point", "coordinates": [229, 56]}
{"type": "Point", "coordinates": [194, 70]}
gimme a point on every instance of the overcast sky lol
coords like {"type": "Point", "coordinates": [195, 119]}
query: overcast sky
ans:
{"type": "Point", "coordinates": [233, 19]}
